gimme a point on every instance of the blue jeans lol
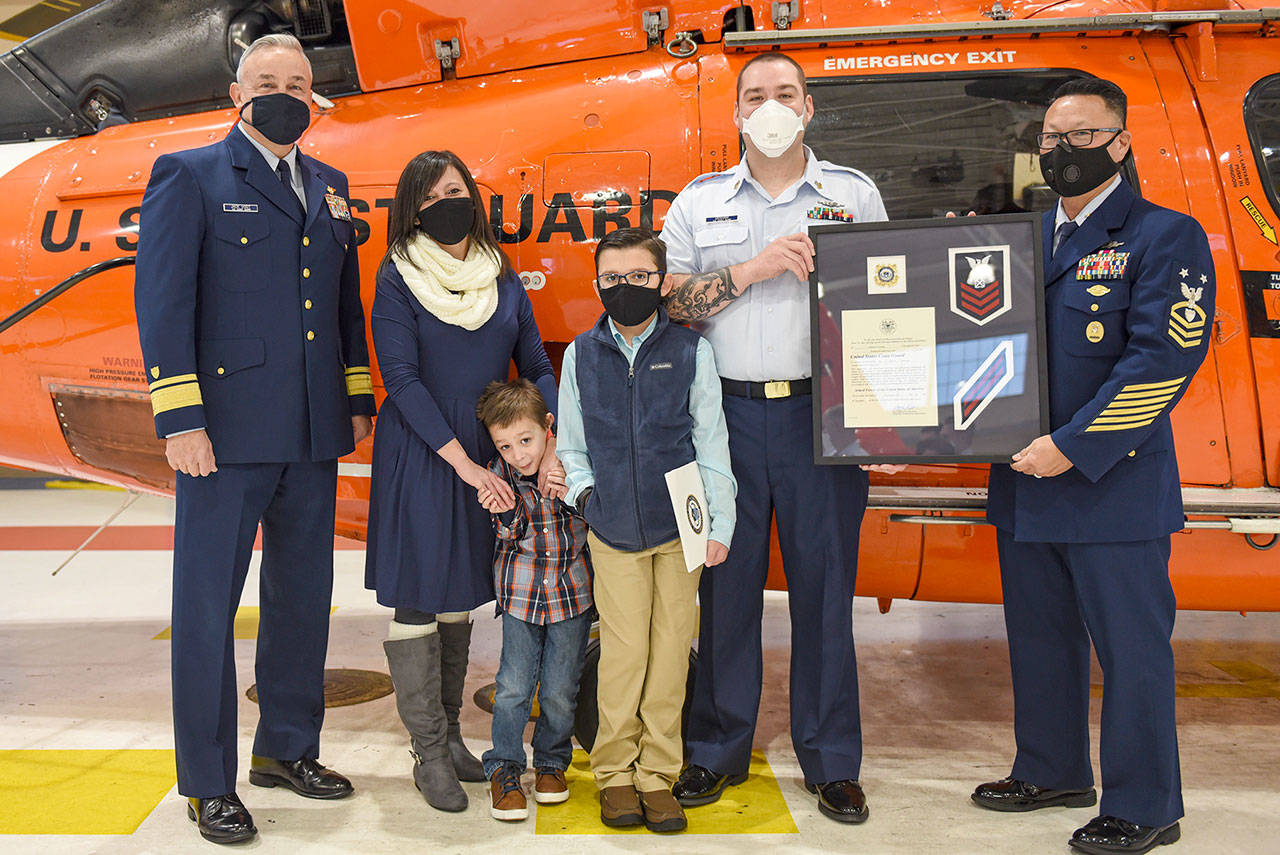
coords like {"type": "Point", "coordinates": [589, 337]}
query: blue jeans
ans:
{"type": "Point", "coordinates": [548, 659]}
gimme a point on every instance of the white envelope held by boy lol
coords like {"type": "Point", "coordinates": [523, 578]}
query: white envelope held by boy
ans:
{"type": "Point", "coordinates": [689, 502]}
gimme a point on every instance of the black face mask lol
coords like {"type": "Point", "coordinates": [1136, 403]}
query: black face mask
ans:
{"type": "Point", "coordinates": [448, 221]}
{"type": "Point", "coordinates": [279, 117]}
{"type": "Point", "coordinates": [630, 305]}
{"type": "Point", "coordinates": [1076, 171]}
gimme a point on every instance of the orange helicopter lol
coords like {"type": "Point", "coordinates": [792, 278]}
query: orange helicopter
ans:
{"type": "Point", "coordinates": [579, 117]}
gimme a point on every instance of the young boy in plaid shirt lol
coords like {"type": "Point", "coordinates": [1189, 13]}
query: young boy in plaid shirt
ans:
{"type": "Point", "coordinates": [542, 576]}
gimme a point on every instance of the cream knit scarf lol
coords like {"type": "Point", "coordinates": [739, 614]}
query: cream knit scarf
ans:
{"type": "Point", "coordinates": [463, 293]}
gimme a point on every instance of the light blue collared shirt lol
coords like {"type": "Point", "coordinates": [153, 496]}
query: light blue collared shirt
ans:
{"type": "Point", "coordinates": [295, 174]}
{"type": "Point", "coordinates": [1094, 204]}
{"type": "Point", "coordinates": [727, 218]}
{"type": "Point", "coordinates": [710, 434]}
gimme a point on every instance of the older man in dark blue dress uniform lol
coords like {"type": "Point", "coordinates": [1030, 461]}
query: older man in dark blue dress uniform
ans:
{"type": "Point", "coordinates": [1084, 515]}
{"type": "Point", "coordinates": [254, 338]}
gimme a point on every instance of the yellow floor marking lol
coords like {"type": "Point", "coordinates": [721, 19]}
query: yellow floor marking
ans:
{"type": "Point", "coordinates": [81, 792]}
{"type": "Point", "coordinates": [1253, 681]}
{"type": "Point", "coordinates": [81, 485]}
{"type": "Point", "coordinates": [246, 625]}
{"type": "Point", "coordinates": [755, 807]}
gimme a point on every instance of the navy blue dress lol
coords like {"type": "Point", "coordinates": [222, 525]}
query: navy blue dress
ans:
{"type": "Point", "coordinates": [430, 542]}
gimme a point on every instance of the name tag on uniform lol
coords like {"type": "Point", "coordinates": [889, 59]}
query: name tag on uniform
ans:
{"type": "Point", "coordinates": [728, 218]}
{"type": "Point", "coordinates": [1107, 264]}
{"type": "Point", "coordinates": [239, 207]}
{"type": "Point", "coordinates": [337, 207]}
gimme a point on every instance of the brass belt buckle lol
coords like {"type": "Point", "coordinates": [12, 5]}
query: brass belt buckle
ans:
{"type": "Point", "coordinates": [777, 389]}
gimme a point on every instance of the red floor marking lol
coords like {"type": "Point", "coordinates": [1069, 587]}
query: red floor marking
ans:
{"type": "Point", "coordinates": [68, 537]}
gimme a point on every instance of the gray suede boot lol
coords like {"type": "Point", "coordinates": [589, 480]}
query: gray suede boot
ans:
{"type": "Point", "coordinates": [415, 673]}
{"type": "Point", "coordinates": [455, 644]}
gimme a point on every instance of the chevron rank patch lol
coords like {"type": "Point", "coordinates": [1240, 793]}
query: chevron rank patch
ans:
{"type": "Point", "coordinates": [1136, 405]}
{"type": "Point", "coordinates": [1187, 320]}
{"type": "Point", "coordinates": [1104, 264]}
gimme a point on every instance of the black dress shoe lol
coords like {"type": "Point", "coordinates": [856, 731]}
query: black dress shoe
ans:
{"type": "Point", "coordinates": [1010, 794]}
{"type": "Point", "coordinates": [306, 777]}
{"type": "Point", "coordinates": [1106, 834]}
{"type": "Point", "coordinates": [843, 801]}
{"type": "Point", "coordinates": [221, 819]}
{"type": "Point", "coordinates": [699, 785]}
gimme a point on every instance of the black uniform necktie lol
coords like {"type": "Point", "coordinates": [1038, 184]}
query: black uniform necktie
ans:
{"type": "Point", "coordinates": [1060, 236]}
{"type": "Point", "coordinates": [286, 178]}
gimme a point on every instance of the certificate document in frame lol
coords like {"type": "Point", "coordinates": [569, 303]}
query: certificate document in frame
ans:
{"type": "Point", "coordinates": [890, 367]}
{"type": "Point", "coordinates": [927, 340]}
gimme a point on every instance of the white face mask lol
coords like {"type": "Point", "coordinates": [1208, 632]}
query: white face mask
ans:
{"type": "Point", "coordinates": [773, 128]}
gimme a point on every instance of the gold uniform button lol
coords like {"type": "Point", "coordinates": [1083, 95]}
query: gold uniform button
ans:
{"type": "Point", "coordinates": [221, 370]}
{"type": "Point", "coordinates": [311, 335]}
{"type": "Point", "coordinates": [243, 239]}
{"type": "Point", "coordinates": [306, 241]}
{"type": "Point", "coordinates": [344, 247]}
{"type": "Point", "coordinates": [1094, 307]}
{"type": "Point", "coordinates": [1133, 453]}
{"type": "Point", "coordinates": [306, 273]}
{"type": "Point", "coordinates": [307, 304]}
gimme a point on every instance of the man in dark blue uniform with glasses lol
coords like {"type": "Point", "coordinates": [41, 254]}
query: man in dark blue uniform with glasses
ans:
{"type": "Point", "coordinates": [1084, 515]}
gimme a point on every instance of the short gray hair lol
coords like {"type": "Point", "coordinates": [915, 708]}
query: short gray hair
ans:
{"type": "Point", "coordinates": [276, 40]}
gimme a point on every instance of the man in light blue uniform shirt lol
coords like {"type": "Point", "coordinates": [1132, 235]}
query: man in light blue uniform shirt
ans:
{"type": "Point", "coordinates": [740, 262]}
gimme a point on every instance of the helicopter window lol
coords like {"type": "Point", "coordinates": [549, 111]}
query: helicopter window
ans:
{"type": "Point", "coordinates": [941, 143]}
{"type": "Point", "coordinates": [1262, 119]}
{"type": "Point", "coordinates": [122, 61]}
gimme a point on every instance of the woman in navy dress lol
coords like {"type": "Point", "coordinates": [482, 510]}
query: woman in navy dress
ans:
{"type": "Point", "coordinates": [449, 317]}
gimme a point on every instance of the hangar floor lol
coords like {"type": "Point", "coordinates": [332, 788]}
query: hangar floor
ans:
{"type": "Point", "coordinates": [86, 760]}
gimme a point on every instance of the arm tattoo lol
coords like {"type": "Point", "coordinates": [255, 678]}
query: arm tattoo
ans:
{"type": "Point", "coordinates": [702, 295]}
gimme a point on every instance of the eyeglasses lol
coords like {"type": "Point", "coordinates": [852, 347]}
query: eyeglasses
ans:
{"type": "Point", "coordinates": [640, 278]}
{"type": "Point", "coordinates": [1079, 138]}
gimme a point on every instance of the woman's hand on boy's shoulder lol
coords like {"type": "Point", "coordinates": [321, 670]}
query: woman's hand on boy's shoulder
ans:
{"type": "Point", "coordinates": [717, 552]}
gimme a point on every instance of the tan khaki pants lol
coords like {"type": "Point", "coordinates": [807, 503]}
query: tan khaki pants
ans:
{"type": "Point", "coordinates": [648, 614]}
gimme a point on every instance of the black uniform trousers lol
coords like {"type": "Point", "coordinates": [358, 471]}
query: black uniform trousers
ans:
{"type": "Point", "coordinates": [1058, 597]}
{"type": "Point", "coordinates": [819, 513]}
{"type": "Point", "coordinates": [216, 524]}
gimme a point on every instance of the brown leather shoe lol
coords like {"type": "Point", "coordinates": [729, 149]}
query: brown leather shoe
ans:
{"type": "Point", "coordinates": [509, 803]}
{"type": "Point", "coordinates": [662, 812]}
{"type": "Point", "coordinates": [549, 787]}
{"type": "Point", "coordinates": [620, 806]}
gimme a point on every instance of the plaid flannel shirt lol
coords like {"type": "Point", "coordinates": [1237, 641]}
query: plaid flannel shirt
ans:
{"type": "Point", "coordinates": [541, 568]}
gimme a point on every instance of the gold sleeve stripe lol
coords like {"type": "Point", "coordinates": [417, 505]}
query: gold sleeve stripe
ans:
{"type": "Point", "coordinates": [1134, 389]}
{"type": "Point", "coordinates": [176, 397]}
{"type": "Point", "coordinates": [170, 381]}
{"type": "Point", "coordinates": [358, 369]}
{"type": "Point", "coordinates": [1125, 426]}
{"type": "Point", "coordinates": [1131, 412]}
{"type": "Point", "coordinates": [1143, 401]}
{"type": "Point", "coordinates": [1163, 384]}
{"type": "Point", "coordinates": [359, 384]}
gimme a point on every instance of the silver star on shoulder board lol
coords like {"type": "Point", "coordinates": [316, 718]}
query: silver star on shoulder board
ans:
{"type": "Point", "coordinates": [1183, 272]}
{"type": "Point", "coordinates": [1203, 278]}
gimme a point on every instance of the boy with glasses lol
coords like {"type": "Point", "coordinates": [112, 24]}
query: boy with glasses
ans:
{"type": "Point", "coordinates": [639, 396]}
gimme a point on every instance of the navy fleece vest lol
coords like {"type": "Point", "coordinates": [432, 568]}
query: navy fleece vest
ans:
{"type": "Point", "coordinates": [638, 428]}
